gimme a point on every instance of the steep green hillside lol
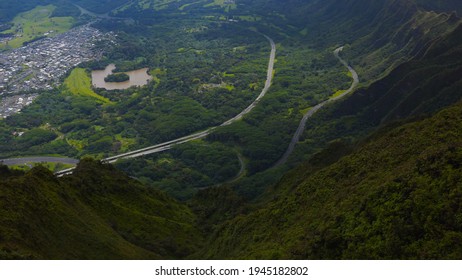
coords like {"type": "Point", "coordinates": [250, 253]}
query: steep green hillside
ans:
{"type": "Point", "coordinates": [97, 213]}
{"type": "Point", "coordinates": [10, 8]}
{"type": "Point", "coordinates": [445, 5]}
{"type": "Point", "coordinates": [425, 84]}
{"type": "Point", "coordinates": [379, 37]}
{"type": "Point", "coordinates": [397, 196]}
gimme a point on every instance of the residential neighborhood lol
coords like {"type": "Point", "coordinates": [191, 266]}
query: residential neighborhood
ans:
{"type": "Point", "coordinates": [40, 65]}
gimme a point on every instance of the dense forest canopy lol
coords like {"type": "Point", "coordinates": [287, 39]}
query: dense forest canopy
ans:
{"type": "Point", "coordinates": [375, 174]}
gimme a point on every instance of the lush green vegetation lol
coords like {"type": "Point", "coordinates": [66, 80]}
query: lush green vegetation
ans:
{"type": "Point", "coordinates": [101, 7]}
{"type": "Point", "coordinates": [117, 78]}
{"type": "Point", "coordinates": [79, 83]}
{"type": "Point", "coordinates": [34, 24]}
{"type": "Point", "coordinates": [394, 197]}
{"type": "Point", "coordinates": [10, 8]}
{"type": "Point", "coordinates": [98, 213]}
{"type": "Point", "coordinates": [387, 198]}
{"type": "Point", "coordinates": [446, 5]}
{"type": "Point", "coordinates": [200, 79]}
{"type": "Point", "coordinates": [52, 166]}
{"type": "Point", "coordinates": [185, 169]}
{"type": "Point", "coordinates": [391, 195]}
{"type": "Point", "coordinates": [403, 93]}
{"type": "Point", "coordinates": [206, 70]}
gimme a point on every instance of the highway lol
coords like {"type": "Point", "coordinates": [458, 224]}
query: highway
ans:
{"type": "Point", "coordinates": [269, 79]}
{"type": "Point", "coordinates": [102, 16]}
{"type": "Point", "coordinates": [20, 161]}
{"type": "Point", "coordinates": [169, 144]}
{"type": "Point", "coordinates": [354, 75]}
{"type": "Point", "coordinates": [312, 111]}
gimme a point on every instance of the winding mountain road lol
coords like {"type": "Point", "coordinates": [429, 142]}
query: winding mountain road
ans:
{"type": "Point", "coordinates": [354, 75]}
{"type": "Point", "coordinates": [169, 144]}
{"type": "Point", "coordinates": [312, 111]}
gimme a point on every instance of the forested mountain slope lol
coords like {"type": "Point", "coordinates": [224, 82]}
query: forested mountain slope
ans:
{"type": "Point", "coordinates": [390, 195]}
{"type": "Point", "coordinates": [396, 196]}
{"type": "Point", "coordinates": [445, 5]}
{"type": "Point", "coordinates": [97, 213]}
{"type": "Point", "coordinates": [426, 83]}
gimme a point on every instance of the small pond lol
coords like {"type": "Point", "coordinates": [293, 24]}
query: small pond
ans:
{"type": "Point", "coordinates": [138, 77]}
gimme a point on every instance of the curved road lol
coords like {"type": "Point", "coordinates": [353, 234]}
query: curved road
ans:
{"type": "Point", "coordinates": [354, 75]}
{"type": "Point", "coordinates": [168, 145]}
{"type": "Point", "coordinates": [269, 78]}
{"type": "Point", "coordinates": [312, 111]}
{"type": "Point", "coordinates": [241, 172]}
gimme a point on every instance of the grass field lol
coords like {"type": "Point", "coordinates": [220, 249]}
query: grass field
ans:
{"type": "Point", "coordinates": [190, 4]}
{"type": "Point", "coordinates": [79, 83]}
{"type": "Point", "coordinates": [154, 4]}
{"type": "Point", "coordinates": [224, 4]}
{"type": "Point", "coordinates": [36, 23]}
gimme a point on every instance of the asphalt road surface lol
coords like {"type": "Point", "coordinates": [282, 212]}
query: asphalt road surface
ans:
{"type": "Point", "coordinates": [19, 161]}
{"type": "Point", "coordinates": [312, 111]}
{"type": "Point", "coordinates": [169, 144]}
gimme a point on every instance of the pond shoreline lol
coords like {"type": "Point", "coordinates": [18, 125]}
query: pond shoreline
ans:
{"type": "Point", "coordinates": [139, 77]}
